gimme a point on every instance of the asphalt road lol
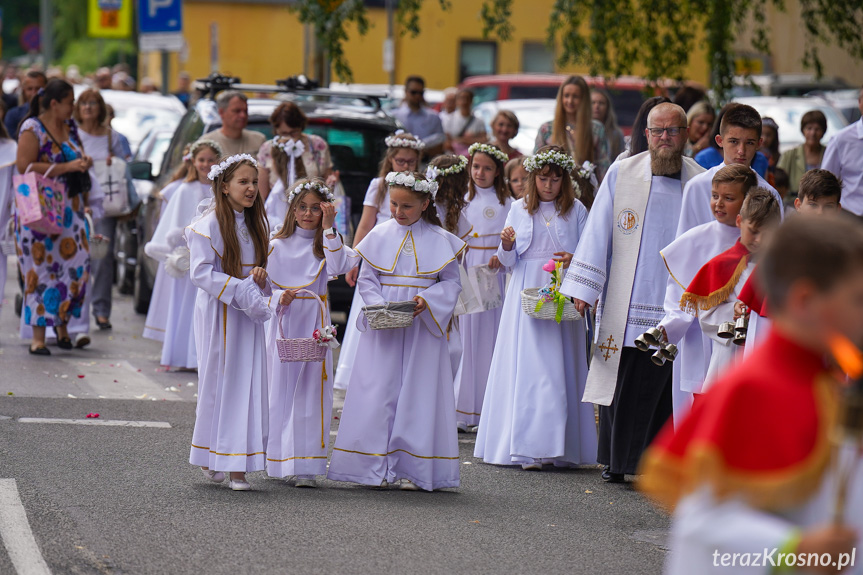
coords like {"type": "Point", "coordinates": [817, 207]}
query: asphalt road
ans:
{"type": "Point", "coordinates": [123, 500]}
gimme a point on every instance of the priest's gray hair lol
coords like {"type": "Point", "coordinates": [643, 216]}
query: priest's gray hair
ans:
{"type": "Point", "coordinates": [667, 107]}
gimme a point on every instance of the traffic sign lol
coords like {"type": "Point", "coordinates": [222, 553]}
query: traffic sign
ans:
{"type": "Point", "coordinates": [159, 16]}
{"type": "Point", "coordinates": [30, 38]}
{"type": "Point", "coordinates": [109, 18]}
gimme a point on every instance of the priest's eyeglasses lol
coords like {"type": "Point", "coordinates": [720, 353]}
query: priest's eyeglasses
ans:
{"type": "Point", "coordinates": [673, 132]}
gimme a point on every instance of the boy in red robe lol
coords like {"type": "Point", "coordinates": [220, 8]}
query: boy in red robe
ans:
{"type": "Point", "coordinates": [715, 292]}
{"type": "Point", "coordinates": [748, 471]}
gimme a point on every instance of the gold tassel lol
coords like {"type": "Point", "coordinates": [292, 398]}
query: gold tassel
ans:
{"type": "Point", "coordinates": [691, 302]}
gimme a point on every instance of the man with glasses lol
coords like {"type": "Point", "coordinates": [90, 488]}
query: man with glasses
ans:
{"type": "Point", "coordinates": [418, 119]}
{"type": "Point", "coordinates": [617, 267]}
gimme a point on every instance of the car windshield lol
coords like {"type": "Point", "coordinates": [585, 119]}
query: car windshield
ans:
{"type": "Point", "coordinates": [353, 150]}
{"type": "Point", "coordinates": [134, 123]}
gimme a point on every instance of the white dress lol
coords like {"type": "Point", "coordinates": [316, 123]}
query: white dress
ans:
{"type": "Point", "coordinates": [453, 337]}
{"type": "Point", "coordinates": [231, 418]}
{"type": "Point", "coordinates": [178, 347]}
{"type": "Point", "coordinates": [479, 330]}
{"type": "Point", "coordinates": [532, 407]}
{"type": "Point", "coordinates": [351, 337]}
{"type": "Point", "coordinates": [157, 315]}
{"type": "Point", "coordinates": [301, 393]}
{"type": "Point", "coordinates": [8, 149]}
{"type": "Point", "coordinates": [398, 421]}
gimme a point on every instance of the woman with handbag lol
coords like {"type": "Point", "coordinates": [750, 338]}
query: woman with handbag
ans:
{"type": "Point", "coordinates": [104, 145]}
{"type": "Point", "coordinates": [55, 267]}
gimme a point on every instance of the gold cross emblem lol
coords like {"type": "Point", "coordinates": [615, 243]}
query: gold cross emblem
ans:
{"type": "Point", "coordinates": [608, 348]}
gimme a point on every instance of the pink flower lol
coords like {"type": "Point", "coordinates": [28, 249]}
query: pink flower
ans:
{"type": "Point", "coordinates": [549, 267]}
{"type": "Point", "coordinates": [317, 334]}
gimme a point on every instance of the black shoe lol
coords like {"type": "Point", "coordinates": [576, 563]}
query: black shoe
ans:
{"type": "Point", "coordinates": [103, 325]}
{"type": "Point", "coordinates": [64, 343]}
{"type": "Point", "coordinates": [41, 350]}
{"type": "Point", "coordinates": [610, 477]}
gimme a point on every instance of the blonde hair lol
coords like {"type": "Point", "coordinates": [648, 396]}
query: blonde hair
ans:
{"type": "Point", "coordinates": [387, 164]}
{"type": "Point", "coordinates": [583, 135]}
{"type": "Point", "coordinates": [290, 224]}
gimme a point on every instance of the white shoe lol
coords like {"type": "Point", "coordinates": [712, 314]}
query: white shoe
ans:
{"type": "Point", "coordinates": [214, 476]}
{"type": "Point", "coordinates": [461, 426]}
{"type": "Point", "coordinates": [473, 429]}
{"type": "Point", "coordinates": [535, 465]}
{"type": "Point", "coordinates": [305, 481]}
{"type": "Point", "coordinates": [240, 485]}
{"type": "Point", "coordinates": [408, 485]}
{"type": "Point", "coordinates": [383, 485]}
{"type": "Point", "coordinates": [82, 340]}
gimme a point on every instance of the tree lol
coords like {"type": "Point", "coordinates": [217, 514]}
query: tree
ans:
{"type": "Point", "coordinates": [612, 37]}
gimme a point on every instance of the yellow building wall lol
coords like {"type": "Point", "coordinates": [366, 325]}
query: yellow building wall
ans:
{"type": "Point", "coordinates": [264, 42]}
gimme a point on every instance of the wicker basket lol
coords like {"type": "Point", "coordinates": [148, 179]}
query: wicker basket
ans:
{"type": "Point", "coordinates": [99, 245]}
{"type": "Point", "coordinates": [300, 348]}
{"type": "Point", "coordinates": [529, 299]}
{"type": "Point", "coordinates": [7, 244]}
{"type": "Point", "coordinates": [392, 315]}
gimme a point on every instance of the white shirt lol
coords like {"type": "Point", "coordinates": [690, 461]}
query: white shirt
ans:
{"type": "Point", "coordinates": [844, 157]}
{"type": "Point", "coordinates": [695, 210]}
{"type": "Point", "coordinates": [371, 200]}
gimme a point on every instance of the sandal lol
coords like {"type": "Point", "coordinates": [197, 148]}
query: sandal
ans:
{"type": "Point", "coordinates": [41, 350]}
{"type": "Point", "coordinates": [64, 343]}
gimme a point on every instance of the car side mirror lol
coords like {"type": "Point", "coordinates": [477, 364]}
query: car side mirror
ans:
{"type": "Point", "coordinates": [141, 170]}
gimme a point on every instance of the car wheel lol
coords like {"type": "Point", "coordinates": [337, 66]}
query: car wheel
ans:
{"type": "Point", "coordinates": [142, 288]}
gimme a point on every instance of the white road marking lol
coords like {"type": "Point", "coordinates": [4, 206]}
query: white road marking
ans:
{"type": "Point", "coordinates": [16, 534]}
{"type": "Point", "coordinates": [102, 422]}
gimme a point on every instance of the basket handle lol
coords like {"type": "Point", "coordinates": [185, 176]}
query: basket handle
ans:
{"type": "Point", "coordinates": [284, 309]}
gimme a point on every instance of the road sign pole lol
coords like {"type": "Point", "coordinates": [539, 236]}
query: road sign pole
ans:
{"type": "Point", "coordinates": [166, 64]}
{"type": "Point", "coordinates": [46, 20]}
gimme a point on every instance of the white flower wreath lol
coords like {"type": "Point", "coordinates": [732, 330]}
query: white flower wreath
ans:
{"type": "Point", "coordinates": [196, 147]}
{"type": "Point", "coordinates": [219, 168]}
{"type": "Point", "coordinates": [395, 142]}
{"type": "Point", "coordinates": [407, 180]}
{"type": "Point", "coordinates": [537, 161]}
{"type": "Point", "coordinates": [490, 150]}
{"type": "Point", "coordinates": [315, 187]}
{"type": "Point", "coordinates": [433, 172]}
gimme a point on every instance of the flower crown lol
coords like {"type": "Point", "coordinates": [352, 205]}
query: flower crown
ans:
{"type": "Point", "coordinates": [408, 180]}
{"type": "Point", "coordinates": [433, 172]}
{"type": "Point", "coordinates": [395, 142]}
{"type": "Point", "coordinates": [196, 147]}
{"type": "Point", "coordinates": [489, 150]}
{"type": "Point", "coordinates": [219, 168]}
{"type": "Point", "coordinates": [314, 187]}
{"type": "Point", "coordinates": [561, 159]}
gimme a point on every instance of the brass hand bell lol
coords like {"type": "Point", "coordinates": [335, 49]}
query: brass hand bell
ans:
{"type": "Point", "coordinates": [741, 327]}
{"type": "Point", "coordinates": [726, 330]}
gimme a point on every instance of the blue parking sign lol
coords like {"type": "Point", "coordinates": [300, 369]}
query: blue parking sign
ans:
{"type": "Point", "coordinates": [160, 16]}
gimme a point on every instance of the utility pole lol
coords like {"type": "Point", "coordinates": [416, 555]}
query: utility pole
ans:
{"type": "Point", "coordinates": [46, 31]}
{"type": "Point", "coordinates": [390, 44]}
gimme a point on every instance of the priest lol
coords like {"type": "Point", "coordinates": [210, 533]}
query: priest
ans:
{"type": "Point", "coordinates": [618, 268]}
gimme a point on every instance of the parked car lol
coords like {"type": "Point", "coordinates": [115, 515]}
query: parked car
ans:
{"type": "Point", "coordinates": [788, 111]}
{"type": "Point", "coordinates": [783, 85]}
{"type": "Point", "coordinates": [136, 114]}
{"type": "Point", "coordinates": [531, 115]}
{"type": "Point", "coordinates": [846, 101]}
{"type": "Point", "coordinates": [627, 92]}
{"type": "Point", "coordinates": [354, 125]}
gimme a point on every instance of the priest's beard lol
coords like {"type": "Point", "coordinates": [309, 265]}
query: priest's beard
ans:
{"type": "Point", "coordinates": [666, 161]}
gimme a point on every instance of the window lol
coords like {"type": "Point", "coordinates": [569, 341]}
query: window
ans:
{"type": "Point", "coordinates": [536, 57]}
{"type": "Point", "coordinates": [477, 58]}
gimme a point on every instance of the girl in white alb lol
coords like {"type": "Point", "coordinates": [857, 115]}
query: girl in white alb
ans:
{"type": "Point", "coordinates": [398, 422]}
{"type": "Point", "coordinates": [532, 413]}
{"type": "Point", "coordinates": [403, 154]}
{"type": "Point", "coordinates": [305, 253]}
{"type": "Point", "coordinates": [157, 315]}
{"type": "Point", "coordinates": [169, 247]}
{"type": "Point", "coordinates": [228, 253]}
{"type": "Point", "coordinates": [450, 173]}
{"type": "Point", "coordinates": [489, 203]}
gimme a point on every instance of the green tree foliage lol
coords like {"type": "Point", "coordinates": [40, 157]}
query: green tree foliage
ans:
{"type": "Point", "coordinates": [613, 37]}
